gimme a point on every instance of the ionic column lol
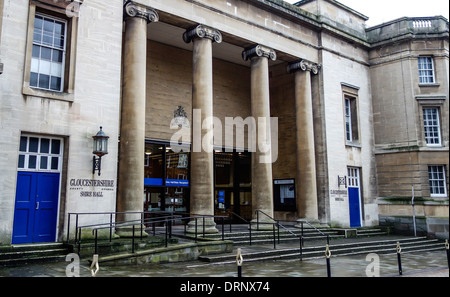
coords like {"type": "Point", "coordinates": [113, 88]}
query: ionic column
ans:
{"type": "Point", "coordinates": [202, 153]}
{"type": "Point", "coordinates": [306, 191]}
{"type": "Point", "coordinates": [262, 187]}
{"type": "Point", "coordinates": [132, 126]}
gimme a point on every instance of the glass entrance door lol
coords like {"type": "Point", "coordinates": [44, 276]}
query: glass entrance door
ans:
{"type": "Point", "coordinates": [233, 184]}
{"type": "Point", "coordinates": [166, 178]}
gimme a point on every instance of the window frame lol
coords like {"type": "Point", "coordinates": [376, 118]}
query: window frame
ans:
{"type": "Point", "coordinates": [425, 70]}
{"type": "Point", "coordinates": [351, 120]}
{"type": "Point", "coordinates": [425, 127]}
{"type": "Point", "coordinates": [39, 154]}
{"type": "Point", "coordinates": [68, 84]}
{"type": "Point", "coordinates": [443, 180]}
{"type": "Point", "coordinates": [63, 51]}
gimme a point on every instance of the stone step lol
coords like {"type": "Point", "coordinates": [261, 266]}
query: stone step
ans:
{"type": "Point", "coordinates": [31, 253]}
{"type": "Point", "coordinates": [353, 248]}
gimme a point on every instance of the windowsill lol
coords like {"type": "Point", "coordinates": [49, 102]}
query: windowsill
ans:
{"type": "Point", "coordinates": [353, 144]}
{"type": "Point", "coordinates": [63, 96]}
{"type": "Point", "coordinates": [426, 85]}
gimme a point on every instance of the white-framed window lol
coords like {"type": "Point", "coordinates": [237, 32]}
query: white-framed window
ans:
{"type": "Point", "coordinates": [436, 177]}
{"type": "Point", "coordinates": [426, 70]}
{"type": "Point", "coordinates": [48, 54]}
{"type": "Point", "coordinates": [353, 177]}
{"type": "Point", "coordinates": [351, 120]}
{"type": "Point", "coordinates": [348, 120]}
{"type": "Point", "coordinates": [431, 126]}
{"type": "Point", "coordinates": [40, 153]}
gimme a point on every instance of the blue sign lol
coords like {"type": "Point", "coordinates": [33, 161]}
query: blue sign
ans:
{"type": "Point", "coordinates": [153, 181]}
{"type": "Point", "coordinates": [177, 182]}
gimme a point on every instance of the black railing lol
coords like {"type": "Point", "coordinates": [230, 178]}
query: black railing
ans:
{"type": "Point", "coordinates": [167, 219]}
{"type": "Point", "coordinates": [276, 223]}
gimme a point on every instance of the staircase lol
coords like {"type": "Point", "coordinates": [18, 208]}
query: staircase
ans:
{"type": "Point", "coordinates": [381, 245]}
{"type": "Point", "coordinates": [12, 255]}
{"type": "Point", "coordinates": [241, 235]}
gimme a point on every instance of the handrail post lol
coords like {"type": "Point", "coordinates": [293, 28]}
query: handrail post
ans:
{"type": "Point", "coordinates": [257, 220]}
{"type": "Point", "coordinates": [278, 231]}
{"type": "Point", "coordinates": [301, 248]}
{"type": "Point", "coordinates": [76, 228]}
{"type": "Point", "coordinates": [142, 223]}
{"type": "Point", "coordinates": [223, 231]}
{"type": "Point", "coordinates": [250, 232]}
{"type": "Point", "coordinates": [96, 242]}
{"type": "Point", "coordinates": [132, 242]}
{"type": "Point", "coordinates": [68, 228]}
{"type": "Point", "coordinates": [196, 229]}
{"type": "Point", "coordinates": [110, 227]}
{"type": "Point", "coordinates": [166, 233]}
{"type": "Point", "coordinates": [274, 241]}
{"type": "Point", "coordinates": [79, 241]}
{"type": "Point", "coordinates": [203, 226]}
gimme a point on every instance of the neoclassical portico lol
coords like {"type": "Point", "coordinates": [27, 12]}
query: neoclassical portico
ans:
{"type": "Point", "coordinates": [132, 133]}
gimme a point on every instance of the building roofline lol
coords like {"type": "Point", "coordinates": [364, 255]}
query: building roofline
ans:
{"type": "Point", "coordinates": [339, 4]}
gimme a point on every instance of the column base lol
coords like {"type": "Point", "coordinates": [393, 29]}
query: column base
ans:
{"type": "Point", "coordinates": [263, 225]}
{"type": "Point", "coordinates": [315, 222]}
{"type": "Point", "coordinates": [127, 232]}
{"type": "Point", "coordinates": [209, 228]}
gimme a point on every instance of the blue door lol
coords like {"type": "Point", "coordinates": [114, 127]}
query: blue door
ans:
{"type": "Point", "coordinates": [355, 212]}
{"type": "Point", "coordinates": [36, 207]}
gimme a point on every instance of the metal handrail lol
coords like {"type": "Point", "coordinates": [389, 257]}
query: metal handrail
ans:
{"type": "Point", "coordinates": [166, 220]}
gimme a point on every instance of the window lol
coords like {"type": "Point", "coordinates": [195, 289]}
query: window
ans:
{"type": "Point", "coordinates": [48, 54]}
{"type": "Point", "coordinates": [40, 154]}
{"type": "Point", "coordinates": [436, 177]}
{"type": "Point", "coordinates": [431, 126]}
{"type": "Point", "coordinates": [351, 120]}
{"type": "Point", "coordinates": [426, 70]}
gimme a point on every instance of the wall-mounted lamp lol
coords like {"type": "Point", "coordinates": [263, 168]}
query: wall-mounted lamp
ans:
{"type": "Point", "coordinates": [100, 149]}
{"type": "Point", "coordinates": [342, 181]}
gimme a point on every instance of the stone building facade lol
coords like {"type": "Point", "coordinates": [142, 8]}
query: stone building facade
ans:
{"type": "Point", "coordinates": [258, 108]}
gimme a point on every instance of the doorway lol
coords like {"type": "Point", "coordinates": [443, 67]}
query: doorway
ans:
{"type": "Point", "coordinates": [37, 190]}
{"type": "Point", "coordinates": [354, 196]}
{"type": "Point", "coordinates": [232, 180]}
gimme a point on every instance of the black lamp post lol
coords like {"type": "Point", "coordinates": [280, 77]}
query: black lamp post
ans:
{"type": "Point", "coordinates": [100, 149]}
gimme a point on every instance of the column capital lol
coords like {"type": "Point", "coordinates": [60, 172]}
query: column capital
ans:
{"type": "Point", "coordinates": [304, 65]}
{"type": "Point", "coordinates": [259, 51]}
{"type": "Point", "coordinates": [202, 31]}
{"type": "Point", "coordinates": [132, 9]}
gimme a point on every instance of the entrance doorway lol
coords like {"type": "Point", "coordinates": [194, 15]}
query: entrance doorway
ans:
{"type": "Point", "coordinates": [232, 177]}
{"type": "Point", "coordinates": [38, 190]}
{"type": "Point", "coordinates": [354, 196]}
{"type": "Point", "coordinates": [166, 178]}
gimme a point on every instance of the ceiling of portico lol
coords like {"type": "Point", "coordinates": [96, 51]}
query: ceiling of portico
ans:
{"type": "Point", "coordinates": [227, 50]}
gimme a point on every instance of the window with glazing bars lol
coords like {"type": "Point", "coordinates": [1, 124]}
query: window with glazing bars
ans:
{"type": "Point", "coordinates": [426, 70]}
{"type": "Point", "coordinates": [48, 55]}
{"type": "Point", "coordinates": [436, 177]}
{"type": "Point", "coordinates": [431, 126]}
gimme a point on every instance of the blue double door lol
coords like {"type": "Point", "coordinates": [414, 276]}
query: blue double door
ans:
{"type": "Point", "coordinates": [36, 207]}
